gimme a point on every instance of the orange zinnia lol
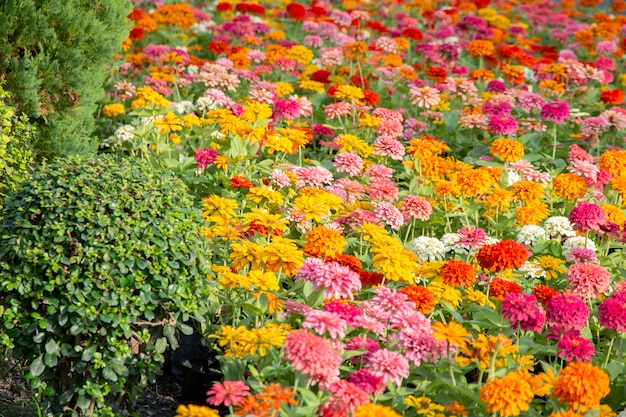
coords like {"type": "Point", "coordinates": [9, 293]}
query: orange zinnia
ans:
{"type": "Point", "coordinates": [508, 396]}
{"type": "Point", "coordinates": [480, 48]}
{"type": "Point", "coordinates": [507, 149]}
{"type": "Point", "coordinates": [422, 297]}
{"type": "Point", "coordinates": [500, 287]}
{"type": "Point", "coordinates": [458, 273]}
{"type": "Point", "coordinates": [582, 385]}
{"type": "Point", "coordinates": [323, 242]}
{"type": "Point", "coordinates": [569, 186]}
{"type": "Point", "coordinates": [506, 254]}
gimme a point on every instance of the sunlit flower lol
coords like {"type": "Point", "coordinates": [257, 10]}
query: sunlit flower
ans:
{"type": "Point", "coordinates": [509, 395]}
{"type": "Point", "coordinates": [581, 385]}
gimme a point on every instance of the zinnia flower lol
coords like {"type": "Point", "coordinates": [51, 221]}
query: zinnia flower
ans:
{"type": "Point", "coordinates": [506, 254]}
{"type": "Point", "coordinates": [587, 217]}
{"type": "Point", "coordinates": [191, 410]}
{"type": "Point", "coordinates": [313, 356]}
{"type": "Point", "coordinates": [507, 149]}
{"type": "Point", "coordinates": [415, 207]}
{"type": "Point", "coordinates": [588, 280]}
{"type": "Point", "coordinates": [508, 396]}
{"type": "Point", "coordinates": [523, 312]}
{"type": "Point", "coordinates": [227, 393]}
{"type": "Point", "coordinates": [567, 311]}
{"type": "Point", "coordinates": [374, 410]}
{"type": "Point", "coordinates": [389, 364]}
{"type": "Point", "coordinates": [573, 346]}
{"type": "Point", "coordinates": [458, 273]}
{"type": "Point", "coordinates": [612, 312]}
{"type": "Point", "coordinates": [555, 112]}
{"type": "Point", "coordinates": [582, 386]}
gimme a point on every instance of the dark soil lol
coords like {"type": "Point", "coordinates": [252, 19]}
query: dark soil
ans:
{"type": "Point", "coordinates": [159, 400]}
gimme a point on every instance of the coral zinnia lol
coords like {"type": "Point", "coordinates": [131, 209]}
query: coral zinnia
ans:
{"type": "Point", "coordinates": [313, 356]}
{"type": "Point", "coordinates": [581, 385]}
{"type": "Point", "coordinates": [508, 396]}
{"type": "Point", "coordinates": [458, 273]}
{"type": "Point", "coordinates": [506, 254]}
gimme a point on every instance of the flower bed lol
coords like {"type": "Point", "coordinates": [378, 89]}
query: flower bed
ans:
{"type": "Point", "coordinates": [414, 208]}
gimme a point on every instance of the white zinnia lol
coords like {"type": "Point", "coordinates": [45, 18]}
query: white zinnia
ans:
{"type": "Point", "coordinates": [428, 248]}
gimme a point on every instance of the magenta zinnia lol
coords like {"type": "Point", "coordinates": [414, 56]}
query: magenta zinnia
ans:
{"type": "Point", "coordinates": [523, 311]}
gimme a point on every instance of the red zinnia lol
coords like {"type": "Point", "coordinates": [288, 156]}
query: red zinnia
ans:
{"type": "Point", "coordinates": [321, 76]}
{"type": "Point", "coordinates": [612, 97]}
{"type": "Point", "coordinates": [412, 33]}
{"type": "Point", "coordinates": [224, 7]}
{"type": "Point", "coordinates": [371, 97]}
{"type": "Point", "coordinates": [506, 254]}
{"type": "Point", "coordinates": [137, 34]}
{"type": "Point", "coordinates": [371, 278]}
{"type": "Point", "coordinates": [296, 11]}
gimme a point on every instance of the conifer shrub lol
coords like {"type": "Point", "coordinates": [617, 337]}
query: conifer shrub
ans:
{"type": "Point", "coordinates": [102, 264]}
{"type": "Point", "coordinates": [54, 56]}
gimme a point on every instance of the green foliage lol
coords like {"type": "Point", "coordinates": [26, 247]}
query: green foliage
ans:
{"type": "Point", "coordinates": [54, 56]}
{"type": "Point", "coordinates": [16, 135]}
{"type": "Point", "coordinates": [102, 262]}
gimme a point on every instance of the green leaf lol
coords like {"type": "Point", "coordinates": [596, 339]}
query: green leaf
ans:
{"type": "Point", "coordinates": [51, 346]}
{"type": "Point", "coordinates": [615, 370]}
{"type": "Point", "coordinates": [37, 367]}
{"type": "Point", "coordinates": [88, 353]}
{"type": "Point", "coordinates": [109, 374]}
{"type": "Point", "coordinates": [450, 119]}
{"type": "Point", "coordinates": [160, 345]}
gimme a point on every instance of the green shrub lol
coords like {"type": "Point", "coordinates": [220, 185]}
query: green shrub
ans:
{"type": "Point", "coordinates": [54, 56]}
{"type": "Point", "coordinates": [102, 261]}
{"type": "Point", "coordinates": [16, 136]}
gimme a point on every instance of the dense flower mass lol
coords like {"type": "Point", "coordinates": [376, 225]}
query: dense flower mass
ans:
{"type": "Point", "coordinates": [410, 208]}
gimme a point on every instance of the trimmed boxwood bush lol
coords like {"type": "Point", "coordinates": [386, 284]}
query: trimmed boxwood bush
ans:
{"type": "Point", "coordinates": [102, 261]}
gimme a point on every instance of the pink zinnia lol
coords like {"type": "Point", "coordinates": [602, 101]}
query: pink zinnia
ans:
{"type": "Point", "coordinates": [280, 178]}
{"type": "Point", "coordinates": [383, 189]}
{"type": "Point", "coordinates": [204, 157]}
{"type": "Point", "coordinates": [379, 171]}
{"type": "Point", "coordinates": [420, 346]}
{"type": "Point", "coordinates": [523, 311]}
{"type": "Point", "coordinates": [424, 97]}
{"type": "Point", "coordinates": [587, 217]}
{"type": "Point", "coordinates": [573, 346]}
{"type": "Point", "coordinates": [594, 125]}
{"type": "Point", "coordinates": [362, 343]}
{"type": "Point", "coordinates": [390, 128]}
{"type": "Point", "coordinates": [531, 101]}
{"type": "Point", "coordinates": [346, 311]}
{"type": "Point", "coordinates": [588, 280]}
{"type": "Point", "coordinates": [349, 190]}
{"type": "Point", "coordinates": [287, 109]}
{"type": "Point", "coordinates": [612, 312]}
{"type": "Point", "coordinates": [314, 176]}
{"type": "Point", "coordinates": [387, 146]}
{"type": "Point", "coordinates": [389, 214]}
{"type": "Point", "coordinates": [576, 152]}
{"type": "Point", "coordinates": [348, 393]}
{"type": "Point", "coordinates": [567, 311]}
{"type": "Point", "coordinates": [313, 356]}
{"type": "Point", "coordinates": [471, 237]}
{"type": "Point", "coordinates": [342, 108]}
{"type": "Point", "coordinates": [337, 281]}
{"type": "Point", "coordinates": [392, 366]}
{"type": "Point", "coordinates": [581, 255]}
{"type": "Point", "coordinates": [502, 125]}
{"type": "Point", "coordinates": [367, 381]}
{"type": "Point", "coordinates": [416, 207]}
{"type": "Point", "coordinates": [555, 112]}
{"type": "Point", "coordinates": [227, 393]}
{"type": "Point", "coordinates": [323, 321]}
{"type": "Point", "coordinates": [348, 162]}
